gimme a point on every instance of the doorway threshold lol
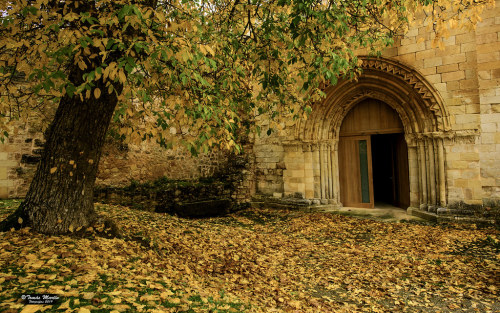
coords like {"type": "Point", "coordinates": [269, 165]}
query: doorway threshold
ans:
{"type": "Point", "coordinates": [381, 212]}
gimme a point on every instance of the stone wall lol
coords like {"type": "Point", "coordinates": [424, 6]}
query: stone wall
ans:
{"type": "Point", "coordinates": [464, 77]}
{"type": "Point", "coordinates": [227, 187]}
{"type": "Point", "coordinates": [269, 167]}
{"type": "Point", "coordinates": [19, 155]}
{"type": "Point", "coordinates": [488, 69]}
{"type": "Point", "coordinates": [121, 164]}
{"type": "Point", "coordinates": [467, 76]}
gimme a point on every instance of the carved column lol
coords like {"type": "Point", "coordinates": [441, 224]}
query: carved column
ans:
{"type": "Point", "coordinates": [431, 171]}
{"type": "Point", "coordinates": [429, 165]}
{"type": "Point", "coordinates": [324, 171]}
{"type": "Point", "coordinates": [334, 171]}
{"type": "Point", "coordinates": [329, 170]}
{"type": "Point", "coordinates": [442, 180]}
{"type": "Point", "coordinates": [422, 173]}
{"type": "Point", "coordinates": [322, 163]}
{"type": "Point", "coordinates": [316, 171]}
{"type": "Point", "coordinates": [413, 170]}
{"type": "Point", "coordinates": [308, 172]}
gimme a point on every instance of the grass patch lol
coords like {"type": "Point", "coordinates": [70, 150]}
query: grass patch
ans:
{"type": "Point", "coordinates": [8, 206]}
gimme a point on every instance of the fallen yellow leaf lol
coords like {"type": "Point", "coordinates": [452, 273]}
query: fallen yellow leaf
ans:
{"type": "Point", "coordinates": [65, 305]}
{"type": "Point", "coordinates": [32, 308]}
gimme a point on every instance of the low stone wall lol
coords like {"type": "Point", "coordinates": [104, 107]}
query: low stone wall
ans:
{"type": "Point", "coordinates": [227, 189]}
{"type": "Point", "coordinates": [173, 197]}
{"type": "Point", "coordinates": [160, 190]}
{"type": "Point", "coordinates": [122, 163]}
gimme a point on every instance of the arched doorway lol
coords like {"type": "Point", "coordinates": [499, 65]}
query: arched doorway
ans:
{"type": "Point", "coordinates": [373, 157]}
{"type": "Point", "coordinates": [311, 157]}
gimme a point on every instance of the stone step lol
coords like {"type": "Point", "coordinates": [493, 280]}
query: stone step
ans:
{"type": "Point", "coordinates": [450, 218]}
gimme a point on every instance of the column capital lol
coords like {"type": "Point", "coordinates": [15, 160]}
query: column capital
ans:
{"type": "Point", "coordinates": [307, 147]}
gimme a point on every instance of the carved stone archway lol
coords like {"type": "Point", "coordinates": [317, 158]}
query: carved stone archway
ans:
{"type": "Point", "coordinates": [421, 110]}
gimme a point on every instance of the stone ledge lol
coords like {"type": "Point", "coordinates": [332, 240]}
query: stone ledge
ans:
{"type": "Point", "coordinates": [279, 205]}
{"type": "Point", "coordinates": [449, 218]}
{"type": "Point", "coordinates": [290, 203]}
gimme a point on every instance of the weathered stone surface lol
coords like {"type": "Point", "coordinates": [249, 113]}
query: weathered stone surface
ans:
{"type": "Point", "coordinates": [30, 159]}
{"type": "Point", "coordinates": [230, 183]}
{"type": "Point", "coordinates": [169, 197]}
{"type": "Point", "coordinates": [206, 208]}
{"type": "Point", "coordinates": [39, 143]}
{"type": "Point", "coordinates": [164, 196]}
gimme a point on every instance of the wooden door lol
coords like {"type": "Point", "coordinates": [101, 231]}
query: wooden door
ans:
{"type": "Point", "coordinates": [402, 175]}
{"type": "Point", "coordinates": [355, 171]}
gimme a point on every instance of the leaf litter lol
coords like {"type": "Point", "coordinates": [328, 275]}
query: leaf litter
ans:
{"type": "Point", "coordinates": [255, 260]}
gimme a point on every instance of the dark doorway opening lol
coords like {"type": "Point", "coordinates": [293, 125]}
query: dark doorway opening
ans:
{"type": "Point", "coordinates": [390, 170]}
{"type": "Point", "coordinates": [373, 157]}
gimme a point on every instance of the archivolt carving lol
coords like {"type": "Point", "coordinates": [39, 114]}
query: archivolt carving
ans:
{"type": "Point", "coordinates": [404, 89]}
{"type": "Point", "coordinates": [411, 77]}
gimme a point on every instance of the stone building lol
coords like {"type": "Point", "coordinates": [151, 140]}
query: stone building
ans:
{"type": "Point", "coordinates": [420, 128]}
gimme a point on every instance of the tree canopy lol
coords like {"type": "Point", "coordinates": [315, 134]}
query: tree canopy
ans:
{"type": "Point", "coordinates": [197, 71]}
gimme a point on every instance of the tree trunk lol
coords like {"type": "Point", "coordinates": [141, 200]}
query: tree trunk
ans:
{"type": "Point", "coordinates": [60, 197]}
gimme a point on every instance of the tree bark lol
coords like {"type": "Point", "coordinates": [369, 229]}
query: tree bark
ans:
{"type": "Point", "coordinates": [60, 197]}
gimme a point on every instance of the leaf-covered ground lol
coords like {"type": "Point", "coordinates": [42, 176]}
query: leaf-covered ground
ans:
{"type": "Point", "coordinates": [254, 261]}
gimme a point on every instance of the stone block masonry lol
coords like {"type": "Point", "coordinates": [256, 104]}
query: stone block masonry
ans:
{"type": "Point", "coordinates": [453, 151]}
{"type": "Point", "coordinates": [226, 189]}
{"type": "Point", "coordinates": [122, 164]}
{"type": "Point", "coordinates": [488, 64]}
{"type": "Point", "coordinates": [19, 155]}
